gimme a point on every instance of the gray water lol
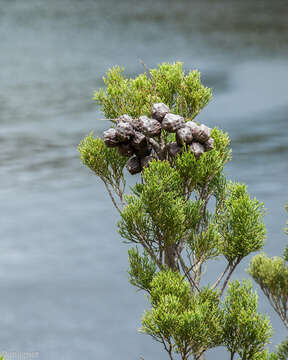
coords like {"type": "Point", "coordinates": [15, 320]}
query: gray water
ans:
{"type": "Point", "coordinates": [63, 281]}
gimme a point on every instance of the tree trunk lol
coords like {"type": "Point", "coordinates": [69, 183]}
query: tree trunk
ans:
{"type": "Point", "coordinates": [171, 257]}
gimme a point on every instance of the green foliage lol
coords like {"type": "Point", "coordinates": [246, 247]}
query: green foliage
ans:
{"type": "Point", "coordinates": [184, 94]}
{"type": "Point", "coordinates": [185, 323]}
{"type": "Point", "coordinates": [282, 350]}
{"type": "Point", "coordinates": [158, 214]}
{"type": "Point", "coordinates": [142, 269]}
{"type": "Point", "coordinates": [246, 332]}
{"type": "Point", "coordinates": [271, 274]}
{"type": "Point", "coordinates": [105, 162]}
{"type": "Point", "coordinates": [196, 174]}
{"type": "Point", "coordinates": [207, 245]}
{"type": "Point", "coordinates": [285, 254]}
{"type": "Point", "coordinates": [241, 223]}
{"type": "Point", "coordinates": [280, 354]}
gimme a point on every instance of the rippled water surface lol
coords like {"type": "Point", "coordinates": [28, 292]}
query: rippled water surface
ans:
{"type": "Point", "coordinates": [63, 281]}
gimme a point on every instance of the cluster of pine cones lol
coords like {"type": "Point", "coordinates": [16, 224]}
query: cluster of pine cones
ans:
{"type": "Point", "coordinates": [134, 138]}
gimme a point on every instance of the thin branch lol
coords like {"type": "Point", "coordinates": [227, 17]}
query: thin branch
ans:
{"type": "Point", "coordinates": [210, 178]}
{"type": "Point", "coordinates": [220, 277]}
{"type": "Point", "coordinates": [232, 268]}
{"type": "Point", "coordinates": [276, 306]}
{"type": "Point", "coordinates": [111, 195]}
{"type": "Point", "coordinates": [151, 253]}
{"type": "Point", "coordinates": [186, 273]}
{"type": "Point", "coordinates": [169, 350]}
{"type": "Point", "coordinates": [113, 120]}
{"type": "Point", "coordinates": [198, 271]}
{"type": "Point", "coordinates": [120, 194]}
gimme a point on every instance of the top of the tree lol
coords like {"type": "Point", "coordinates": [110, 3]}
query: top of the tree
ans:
{"type": "Point", "coordinates": [182, 92]}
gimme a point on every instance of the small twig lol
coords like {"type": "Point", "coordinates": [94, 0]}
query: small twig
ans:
{"type": "Point", "coordinates": [198, 272]}
{"type": "Point", "coordinates": [114, 120]}
{"type": "Point", "coordinates": [151, 253]}
{"type": "Point", "coordinates": [120, 194]}
{"type": "Point", "coordinates": [220, 277]}
{"type": "Point", "coordinates": [232, 268]}
{"type": "Point", "coordinates": [111, 195]}
{"type": "Point", "coordinates": [186, 273]}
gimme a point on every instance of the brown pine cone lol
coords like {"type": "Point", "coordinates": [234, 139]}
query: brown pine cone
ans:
{"type": "Point", "coordinates": [111, 138]}
{"type": "Point", "coordinates": [184, 135]}
{"type": "Point", "coordinates": [159, 110]}
{"type": "Point", "coordinates": [172, 122]}
{"type": "Point", "coordinates": [124, 131]}
{"type": "Point", "coordinates": [209, 144]}
{"type": "Point", "coordinates": [145, 151]}
{"type": "Point", "coordinates": [200, 133]}
{"type": "Point", "coordinates": [174, 149]}
{"type": "Point", "coordinates": [197, 149]}
{"type": "Point", "coordinates": [124, 118]}
{"type": "Point", "coordinates": [145, 161]}
{"type": "Point", "coordinates": [138, 140]}
{"type": "Point", "coordinates": [149, 127]}
{"type": "Point", "coordinates": [133, 165]}
{"type": "Point", "coordinates": [125, 149]}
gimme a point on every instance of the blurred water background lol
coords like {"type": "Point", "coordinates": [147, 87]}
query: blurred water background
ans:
{"type": "Point", "coordinates": [63, 281]}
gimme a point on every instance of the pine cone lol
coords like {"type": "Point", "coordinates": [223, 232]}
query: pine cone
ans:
{"type": "Point", "coordinates": [125, 149]}
{"type": "Point", "coordinates": [159, 110]}
{"type": "Point", "coordinates": [111, 138]}
{"type": "Point", "coordinates": [145, 161]}
{"type": "Point", "coordinates": [172, 123]}
{"type": "Point", "coordinates": [124, 118]}
{"type": "Point", "coordinates": [174, 149]}
{"type": "Point", "coordinates": [149, 127]}
{"type": "Point", "coordinates": [197, 149]}
{"type": "Point", "coordinates": [209, 144]}
{"type": "Point", "coordinates": [184, 135]}
{"type": "Point", "coordinates": [124, 131]}
{"type": "Point", "coordinates": [133, 165]}
{"type": "Point", "coordinates": [138, 140]}
{"type": "Point", "coordinates": [200, 133]}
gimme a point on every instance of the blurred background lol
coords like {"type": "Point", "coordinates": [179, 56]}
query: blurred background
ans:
{"type": "Point", "coordinates": [63, 280]}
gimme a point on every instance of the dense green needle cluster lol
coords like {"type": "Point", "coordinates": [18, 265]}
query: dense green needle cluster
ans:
{"type": "Point", "coordinates": [185, 323]}
{"type": "Point", "coordinates": [245, 330]}
{"type": "Point", "coordinates": [182, 213]}
{"type": "Point", "coordinates": [272, 276]}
